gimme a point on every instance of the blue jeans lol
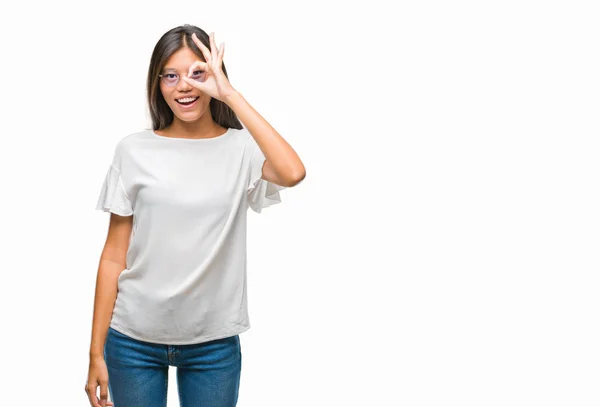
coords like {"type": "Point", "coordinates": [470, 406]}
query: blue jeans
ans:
{"type": "Point", "coordinates": [208, 373]}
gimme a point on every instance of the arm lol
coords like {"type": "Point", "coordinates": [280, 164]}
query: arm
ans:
{"type": "Point", "coordinates": [282, 166]}
{"type": "Point", "coordinates": [112, 263]}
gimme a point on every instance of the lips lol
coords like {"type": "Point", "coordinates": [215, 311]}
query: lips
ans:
{"type": "Point", "coordinates": [187, 101]}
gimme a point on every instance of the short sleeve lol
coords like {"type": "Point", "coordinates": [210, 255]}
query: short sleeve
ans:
{"type": "Point", "coordinates": [261, 193]}
{"type": "Point", "coordinates": [113, 196]}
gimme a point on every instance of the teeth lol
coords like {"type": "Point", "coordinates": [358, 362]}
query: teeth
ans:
{"type": "Point", "coordinates": [185, 100]}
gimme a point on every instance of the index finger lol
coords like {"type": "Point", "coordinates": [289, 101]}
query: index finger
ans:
{"type": "Point", "coordinates": [202, 47]}
{"type": "Point", "coordinates": [196, 65]}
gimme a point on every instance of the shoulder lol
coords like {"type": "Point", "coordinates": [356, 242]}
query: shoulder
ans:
{"type": "Point", "coordinates": [127, 145]}
{"type": "Point", "coordinates": [245, 139]}
{"type": "Point", "coordinates": [132, 138]}
{"type": "Point", "coordinates": [129, 141]}
{"type": "Point", "coordinates": [239, 134]}
{"type": "Point", "coordinates": [242, 139]}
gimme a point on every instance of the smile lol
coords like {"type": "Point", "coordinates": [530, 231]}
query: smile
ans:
{"type": "Point", "coordinates": [187, 102]}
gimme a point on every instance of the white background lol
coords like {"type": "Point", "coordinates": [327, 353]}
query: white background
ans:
{"type": "Point", "coordinates": [442, 250]}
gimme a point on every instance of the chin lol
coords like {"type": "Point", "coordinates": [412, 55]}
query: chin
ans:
{"type": "Point", "coordinates": [190, 116]}
{"type": "Point", "coordinates": [187, 115]}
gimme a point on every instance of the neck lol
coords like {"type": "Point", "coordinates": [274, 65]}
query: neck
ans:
{"type": "Point", "coordinates": [201, 128]}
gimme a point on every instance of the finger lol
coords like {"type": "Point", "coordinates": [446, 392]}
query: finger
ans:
{"type": "Point", "coordinates": [213, 46]}
{"type": "Point", "coordinates": [90, 389]}
{"type": "Point", "coordinates": [193, 83]}
{"type": "Point", "coordinates": [103, 392]}
{"type": "Point", "coordinates": [197, 64]}
{"type": "Point", "coordinates": [221, 52]}
{"type": "Point", "coordinates": [202, 47]}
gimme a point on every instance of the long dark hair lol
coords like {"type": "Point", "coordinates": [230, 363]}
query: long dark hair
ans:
{"type": "Point", "coordinates": [172, 41]}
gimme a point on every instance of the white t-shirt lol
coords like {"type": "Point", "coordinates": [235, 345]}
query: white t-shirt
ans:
{"type": "Point", "coordinates": [185, 277]}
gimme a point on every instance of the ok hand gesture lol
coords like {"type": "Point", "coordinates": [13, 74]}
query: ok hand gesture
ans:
{"type": "Point", "coordinates": [216, 84]}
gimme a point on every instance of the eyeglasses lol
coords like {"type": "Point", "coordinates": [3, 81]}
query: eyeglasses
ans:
{"type": "Point", "coordinates": [172, 79]}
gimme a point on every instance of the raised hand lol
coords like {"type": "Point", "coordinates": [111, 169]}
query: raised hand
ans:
{"type": "Point", "coordinates": [216, 83]}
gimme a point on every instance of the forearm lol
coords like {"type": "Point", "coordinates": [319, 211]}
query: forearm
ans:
{"type": "Point", "coordinates": [276, 149]}
{"type": "Point", "coordinates": [104, 303]}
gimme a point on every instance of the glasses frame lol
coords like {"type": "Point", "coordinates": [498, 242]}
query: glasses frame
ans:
{"type": "Point", "coordinates": [161, 76]}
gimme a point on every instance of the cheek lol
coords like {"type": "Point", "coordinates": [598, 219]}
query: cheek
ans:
{"type": "Point", "coordinates": [165, 94]}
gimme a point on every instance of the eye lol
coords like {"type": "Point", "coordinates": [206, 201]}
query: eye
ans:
{"type": "Point", "coordinates": [170, 75]}
{"type": "Point", "coordinates": [197, 74]}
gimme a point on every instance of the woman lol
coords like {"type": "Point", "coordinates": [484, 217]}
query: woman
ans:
{"type": "Point", "coordinates": [176, 247]}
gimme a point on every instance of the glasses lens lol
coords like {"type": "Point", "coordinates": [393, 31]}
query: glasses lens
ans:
{"type": "Point", "coordinates": [170, 79]}
{"type": "Point", "coordinates": [198, 75]}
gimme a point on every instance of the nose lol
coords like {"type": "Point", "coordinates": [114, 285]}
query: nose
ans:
{"type": "Point", "coordinates": [183, 85]}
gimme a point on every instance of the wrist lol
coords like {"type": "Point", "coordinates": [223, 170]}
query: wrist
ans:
{"type": "Point", "coordinates": [231, 97]}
